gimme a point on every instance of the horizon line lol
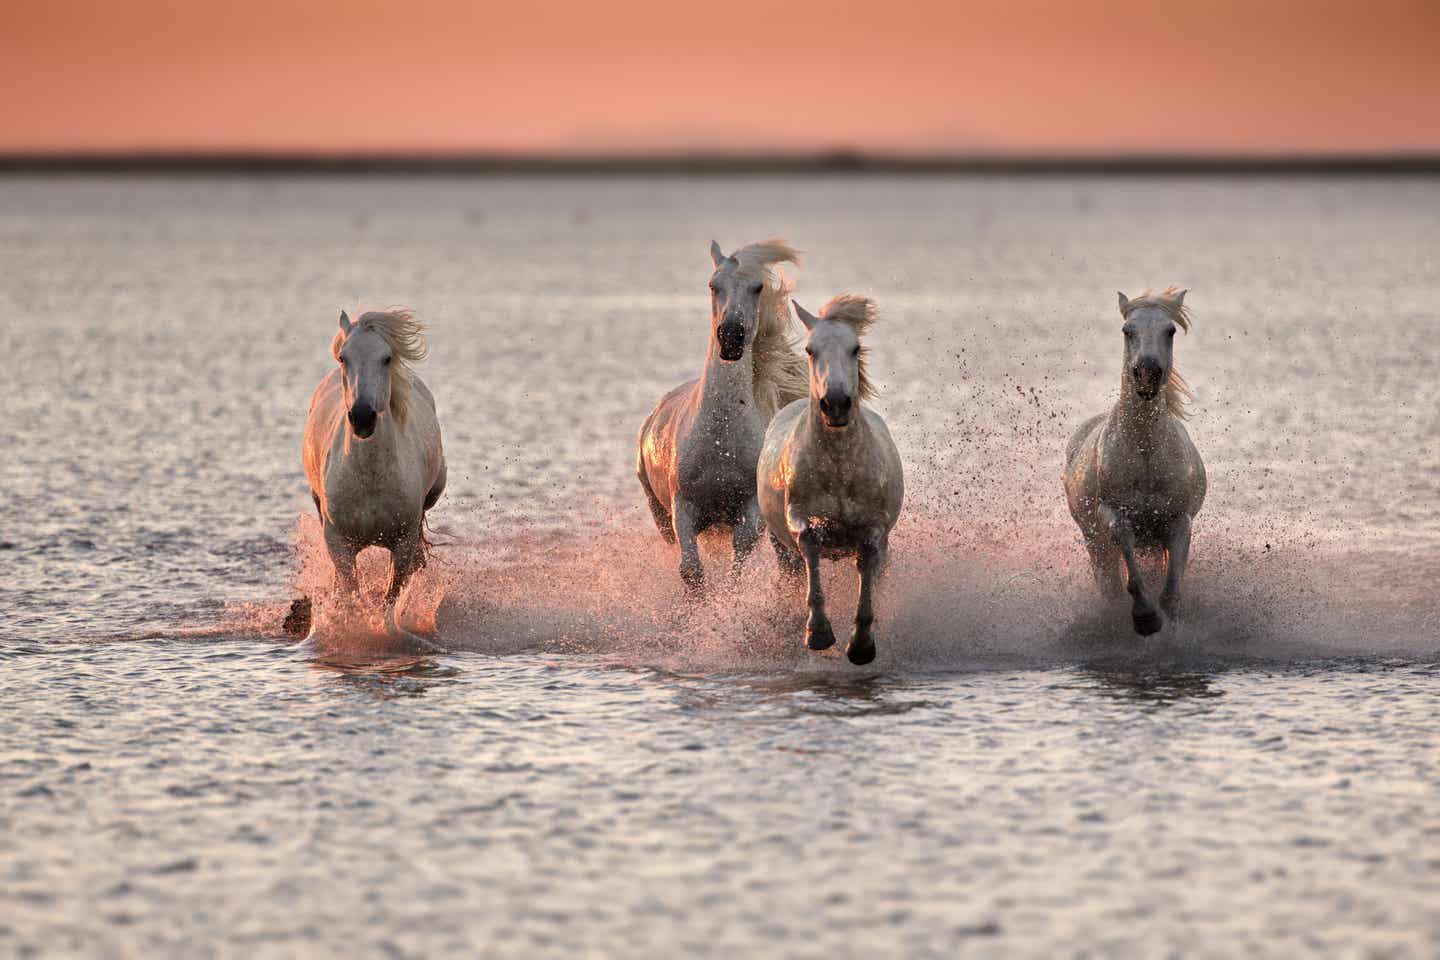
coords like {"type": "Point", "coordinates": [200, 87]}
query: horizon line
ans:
{"type": "Point", "coordinates": [680, 162]}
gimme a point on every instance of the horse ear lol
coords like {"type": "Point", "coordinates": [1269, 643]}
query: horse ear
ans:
{"type": "Point", "coordinates": [344, 321]}
{"type": "Point", "coordinates": [716, 254]}
{"type": "Point", "coordinates": [806, 317]}
{"type": "Point", "coordinates": [1124, 303]}
{"type": "Point", "coordinates": [1179, 298]}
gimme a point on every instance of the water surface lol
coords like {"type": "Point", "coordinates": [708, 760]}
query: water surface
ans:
{"type": "Point", "coordinates": [596, 767]}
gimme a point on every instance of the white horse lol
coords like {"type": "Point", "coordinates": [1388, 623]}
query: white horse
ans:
{"type": "Point", "coordinates": [829, 475]}
{"type": "Point", "coordinates": [1132, 476]}
{"type": "Point", "coordinates": [372, 450]}
{"type": "Point", "coordinates": [698, 447]}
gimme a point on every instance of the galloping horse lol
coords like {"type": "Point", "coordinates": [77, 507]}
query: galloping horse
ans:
{"type": "Point", "coordinates": [1133, 478]}
{"type": "Point", "coordinates": [373, 455]}
{"type": "Point", "coordinates": [698, 448]}
{"type": "Point", "coordinates": [830, 480]}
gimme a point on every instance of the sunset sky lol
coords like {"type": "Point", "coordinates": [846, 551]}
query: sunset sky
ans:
{"type": "Point", "coordinates": [960, 77]}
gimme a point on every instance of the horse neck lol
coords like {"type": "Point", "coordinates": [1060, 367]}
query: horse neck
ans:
{"type": "Point", "coordinates": [1136, 417]}
{"type": "Point", "coordinates": [727, 385]}
{"type": "Point", "coordinates": [375, 451]}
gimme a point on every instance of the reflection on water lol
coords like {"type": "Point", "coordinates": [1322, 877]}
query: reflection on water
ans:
{"type": "Point", "coordinates": [561, 804]}
{"type": "Point", "coordinates": [1158, 688]}
{"type": "Point", "coordinates": [383, 676]}
{"type": "Point", "coordinates": [829, 693]}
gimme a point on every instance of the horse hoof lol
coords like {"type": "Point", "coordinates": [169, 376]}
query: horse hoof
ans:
{"type": "Point", "coordinates": [819, 636]}
{"type": "Point", "coordinates": [694, 585]}
{"type": "Point", "coordinates": [860, 651]}
{"type": "Point", "coordinates": [407, 641]}
{"type": "Point", "coordinates": [297, 621]}
{"type": "Point", "coordinates": [417, 645]}
{"type": "Point", "coordinates": [1170, 606]}
{"type": "Point", "coordinates": [1148, 622]}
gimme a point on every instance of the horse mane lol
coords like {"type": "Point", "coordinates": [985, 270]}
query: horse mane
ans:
{"type": "Point", "coordinates": [860, 313]}
{"type": "Point", "coordinates": [405, 335]}
{"type": "Point", "coordinates": [782, 374]}
{"type": "Point", "coordinates": [1178, 395]}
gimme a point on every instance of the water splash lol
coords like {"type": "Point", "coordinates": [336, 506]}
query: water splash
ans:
{"type": "Point", "coordinates": [963, 592]}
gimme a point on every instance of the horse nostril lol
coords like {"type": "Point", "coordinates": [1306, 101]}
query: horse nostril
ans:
{"type": "Point", "coordinates": [362, 420]}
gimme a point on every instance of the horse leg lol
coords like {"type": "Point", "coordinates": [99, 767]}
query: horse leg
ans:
{"type": "Point", "coordinates": [1142, 611]}
{"type": "Point", "coordinates": [818, 633]}
{"type": "Point", "coordinates": [791, 563]}
{"type": "Point", "coordinates": [862, 642]}
{"type": "Point", "coordinates": [300, 619]}
{"type": "Point", "coordinates": [406, 556]}
{"type": "Point", "coordinates": [657, 509]}
{"type": "Point", "coordinates": [1177, 551]}
{"type": "Point", "coordinates": [692, 572]}
{"type": "Point", "coordinates": [342, 555]}
{"type": "Point", "coordinates": [1105, 565]}
{"type": "Point", "coordinates": [747, 533]}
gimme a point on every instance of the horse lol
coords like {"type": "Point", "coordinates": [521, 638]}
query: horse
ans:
{"type": "Point", "coordinates": [1133, 478]}
{"type": "Point", "coordinates": [699, 446]}
{"type": "Point", "coordinates": [830, 479]}
{"type": "Point", "coordinates": [372, 450]}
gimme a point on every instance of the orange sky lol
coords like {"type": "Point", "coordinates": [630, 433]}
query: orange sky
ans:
{"type": "Point", "coordinates": [1088, 76]}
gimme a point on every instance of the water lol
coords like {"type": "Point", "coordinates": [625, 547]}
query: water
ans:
{"type": "Point", "coordinates": [597, 768]}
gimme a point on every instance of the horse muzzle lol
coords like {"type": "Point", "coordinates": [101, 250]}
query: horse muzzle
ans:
{"type": "Point", "coordinates": [731, 338]}
{"type": "Point", "coordinates": [362, 421]}
{"type": "Point", "coordinates": [1148, 377]}
{"type": "Point", "coordinates": [835, 410]}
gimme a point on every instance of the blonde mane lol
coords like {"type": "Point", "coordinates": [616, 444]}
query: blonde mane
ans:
{"type": "Point", "coordinates": [405, 335]}
{"type": "Point", "coordinates": [1178, 395]}
{"type": "Point", "coordinates": [860, 313]}
{"type": "Point", "coordinates": [782, 374]}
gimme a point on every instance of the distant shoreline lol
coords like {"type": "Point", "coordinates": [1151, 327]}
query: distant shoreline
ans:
{"type": "Point", "coordinates": [838, 162]}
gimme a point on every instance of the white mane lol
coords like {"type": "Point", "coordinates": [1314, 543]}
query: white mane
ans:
{"type": "Point", "coordinates": [860, 313]}
{"type": "Point", "coordinates": [781, 372]}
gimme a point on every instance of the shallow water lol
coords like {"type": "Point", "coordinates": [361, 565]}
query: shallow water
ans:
{"type": "Point", "coordinates": [596, 767]}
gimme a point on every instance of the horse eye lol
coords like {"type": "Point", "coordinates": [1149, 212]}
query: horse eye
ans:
{"type": "Point", "coordinates": [1170, 332]}
{"type": "Point", "coordinates": [809, 352]}
{"type": "Point", "coordinates": [757, 288]}
{"type": "Point", "coordinates": [342, 360]}
{"type": "Point", "coordinates": [387, 361]}
{"type": "Point", "coordinates": [855, 352]}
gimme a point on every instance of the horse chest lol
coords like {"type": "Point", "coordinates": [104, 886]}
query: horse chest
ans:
{"type": "Point", "coordinates": [1146, 488]}
{"type": "Point", "coordinates": [367, 506]}
{"type": "Point", "coordinates": [837, 497]}
{"type": "Point", "coordinates": [719, 458]}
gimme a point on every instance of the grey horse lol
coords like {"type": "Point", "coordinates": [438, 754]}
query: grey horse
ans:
{"type": "Point", "coordinates": [1133, 477]}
